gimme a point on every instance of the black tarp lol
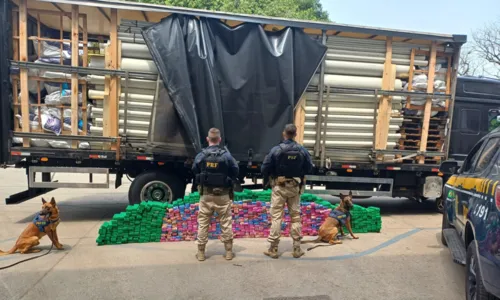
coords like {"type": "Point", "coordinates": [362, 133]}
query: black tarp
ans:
{"type": "Point", "coordinates": [166, 132]}
{"type": "Point", "coordinates": [243, 80]}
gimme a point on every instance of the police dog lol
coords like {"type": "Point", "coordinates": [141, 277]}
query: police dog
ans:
{"type": "Point", "coordinates": [333, 224]}
{"type": "Point", "coordinates": [44, 223]}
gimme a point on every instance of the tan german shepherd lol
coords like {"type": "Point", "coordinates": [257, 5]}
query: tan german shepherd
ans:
{"type": "Point", "coordinates": [333, 224]}
{"type": "Point", "coordinates": [45, 223]}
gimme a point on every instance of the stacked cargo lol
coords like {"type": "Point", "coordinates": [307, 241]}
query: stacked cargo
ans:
{"type": "Point", "coordinates": [139, 94]}
{"type": "Point", "coordinates": [412, 127]}
{"type": "Point", "coordinates": [354, 67]}
{"type": "Point", "coordinates": [349, 117]}
{"type": "Point", "coordinates": [50, 95]}
{"type": "Point", "coordinates": [151, 221]}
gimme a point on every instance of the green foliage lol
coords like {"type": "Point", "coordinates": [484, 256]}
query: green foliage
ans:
{"type": "Point", "coordinates": [292, 9]}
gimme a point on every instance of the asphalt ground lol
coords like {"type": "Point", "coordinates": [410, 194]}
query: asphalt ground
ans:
{"type": "Point", "coordinates": [405, 261]}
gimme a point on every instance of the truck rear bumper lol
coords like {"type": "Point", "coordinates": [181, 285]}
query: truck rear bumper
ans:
{"type": "Point", "coordinates": [383, 186]}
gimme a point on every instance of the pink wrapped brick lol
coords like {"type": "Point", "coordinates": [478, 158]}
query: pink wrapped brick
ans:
{"type": "Point", "coordinates": [250, 220]}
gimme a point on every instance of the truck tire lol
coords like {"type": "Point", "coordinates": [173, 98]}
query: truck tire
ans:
{"type": "Point", "coordinates": [445, 224]}
{"type": "Point", "coordinates": [156, 186]}
{"type": "Point", "coordinates": [439, 203]}
{"type": "Point", "coordinates": [474, 288]}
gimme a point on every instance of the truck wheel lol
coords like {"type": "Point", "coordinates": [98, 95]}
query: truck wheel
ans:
{"type": "Point", "coordinates": [474, 288]}
{"type": "Point", "coordinates": [156, 186]}
{"type": "Point", "coordinates": [439, 202]}
{"type": "Point", "coordinates": [445, 224]}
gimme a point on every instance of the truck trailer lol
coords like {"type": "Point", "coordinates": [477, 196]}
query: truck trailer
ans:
{"type": "Point", "coordinates": [130, 89]}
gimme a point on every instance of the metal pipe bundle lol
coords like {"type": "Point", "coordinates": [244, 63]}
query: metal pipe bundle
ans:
{"type": "Point", "coordinates": [374, 59]}
{"type": "Point", "coordinates": [348, 119]}
{"type": "Point", "coordinates": [372, 45]}
{"type": "Point", "coordinates": [137, 95]}
{"type": "Point", "coordinates": [360, 68]}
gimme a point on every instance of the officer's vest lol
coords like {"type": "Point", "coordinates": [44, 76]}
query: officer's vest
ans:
{"type": "Point", "coordinates": [214, 169]}
{"type": "Point", "coordinates": [290, 161]}
{"type": "Point", "coordinates": [339, 216]}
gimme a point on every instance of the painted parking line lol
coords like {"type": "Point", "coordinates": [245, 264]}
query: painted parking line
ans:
{"type": "Point", "coordinates": [349, 256]}
{"type": "Point", "coordinates": [372, 250]}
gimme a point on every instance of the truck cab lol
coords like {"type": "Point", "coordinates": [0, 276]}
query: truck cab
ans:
{"type": "Point", "coordinates": [471, 218]}
{"type": "Point", "coordinates": [476, 112]}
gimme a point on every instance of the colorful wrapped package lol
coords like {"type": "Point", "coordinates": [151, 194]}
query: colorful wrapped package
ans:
{"type": "Point", "coordinates": [155, 222]}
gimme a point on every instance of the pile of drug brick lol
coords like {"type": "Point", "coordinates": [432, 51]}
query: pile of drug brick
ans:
{"type": "Point", "coordinates": [154, 222]}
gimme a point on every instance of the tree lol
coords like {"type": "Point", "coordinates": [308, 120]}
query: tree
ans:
{"type": "Point", "coordinates": [487, 46]}
{"type": "Point", "coordinates": [469, 64]}
{"type": "Point", "coordinates": [314, 8]}
{"type": "Point", "coordinates": [293, 9]}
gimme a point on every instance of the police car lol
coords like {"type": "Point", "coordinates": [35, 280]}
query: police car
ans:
{"type": "Point", "coordinates": [471, 216]}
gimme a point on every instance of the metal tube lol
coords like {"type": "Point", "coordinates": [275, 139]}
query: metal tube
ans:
{"type": "Point", "coordinates": [81, 70]}
{"type": "Point", "coordinates": [132, 50]}
{"type": "Point", "coordinates": [402, 158]}
{"type": "Point", "coordinates": [375, 107]}
{"type": "Point", "coordinates": [361, 91]}
{"type": "Point", "coordinates": [81, 138]}
{"type": "Point", "coordinates": [125, 108]}
{"type": "Point", "coordinates": [351, 81]}
{"type": "Point", "coordinates": [323, 148]}
{"type": "Point", "coordinates": [320, 100]}
{"type": "Point", "coordinates": [139, 65]}
{"type": "Point", "coordinates": [153, 115]}
{"type": "Point", "coordinates": [451, 107]}
{"type": "Point", "coordinates": [409, 152]}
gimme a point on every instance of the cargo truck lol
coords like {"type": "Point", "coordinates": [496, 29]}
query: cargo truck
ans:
{"type": "Point", "coordinates": [130, 89]}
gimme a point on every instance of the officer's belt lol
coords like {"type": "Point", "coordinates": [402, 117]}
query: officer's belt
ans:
{"type": "Point", "coordinates": [282, 180]}
{"type": "Point", "coordinates": [215, 191]}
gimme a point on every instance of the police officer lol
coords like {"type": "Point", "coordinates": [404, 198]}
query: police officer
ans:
{"type": "Point", "coordinates": [215, 170]}
{"type": "Point", "coordinates": [286, 165]}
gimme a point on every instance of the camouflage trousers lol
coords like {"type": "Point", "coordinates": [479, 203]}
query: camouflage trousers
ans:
{"type": "Point", "coordinates": [289, 194]}
{"type": "Point", "coordinates": [207, 206]}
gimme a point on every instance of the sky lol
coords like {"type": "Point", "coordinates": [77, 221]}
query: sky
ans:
{"type": "Point", "coordinates": [437, 16]}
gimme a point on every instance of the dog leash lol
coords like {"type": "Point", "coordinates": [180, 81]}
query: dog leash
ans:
{"type": "Point", "coordinates": [28, 259]}
{"type": "Point", "coordinates": [309, 249]}
{"type": "Point", "coordinates": [314, 247]}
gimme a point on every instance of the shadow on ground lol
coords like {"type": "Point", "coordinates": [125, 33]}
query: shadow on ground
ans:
{"type": "Point", "coordinates": [99, 206]}
{"type": "Point", "coordinates": [87, 208]}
